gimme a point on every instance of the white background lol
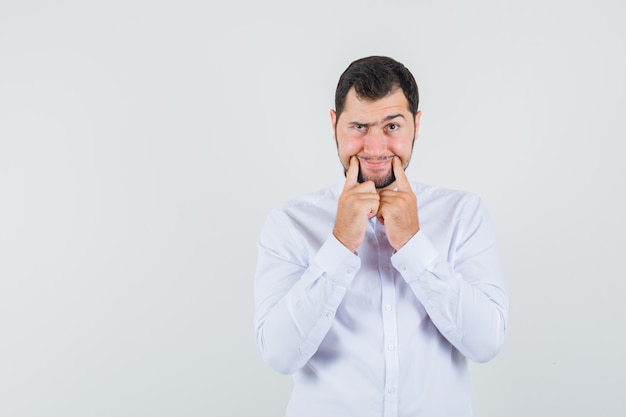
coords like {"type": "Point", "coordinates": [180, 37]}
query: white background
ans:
{"type": "Point", "coordinates": [142, 144]}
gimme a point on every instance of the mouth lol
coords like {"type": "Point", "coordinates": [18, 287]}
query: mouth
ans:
{"type": "Point", "coordinates": [377, 169]}
{"type": "Point", "coordinates": [374, 163]}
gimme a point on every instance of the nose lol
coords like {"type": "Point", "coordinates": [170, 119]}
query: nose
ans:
{"type": "Point", "coordinates": [375, 143]}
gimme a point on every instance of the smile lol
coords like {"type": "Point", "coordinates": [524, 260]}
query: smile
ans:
{"type": "Point", "coordinates": [375, 163]}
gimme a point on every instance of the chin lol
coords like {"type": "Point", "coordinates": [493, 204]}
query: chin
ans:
{"type": "Point", "coordinates": [380, 181]}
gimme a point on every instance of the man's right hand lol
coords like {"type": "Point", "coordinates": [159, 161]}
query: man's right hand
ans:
{"type": "Point", "coordinates": [357, 204]}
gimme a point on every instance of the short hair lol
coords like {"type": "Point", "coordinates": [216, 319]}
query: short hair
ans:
{"type": "Point", "coordinates": [375, 77]}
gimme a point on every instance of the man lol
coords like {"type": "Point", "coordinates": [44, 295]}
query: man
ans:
{"type": "Point", "coordinates": [375, 292]}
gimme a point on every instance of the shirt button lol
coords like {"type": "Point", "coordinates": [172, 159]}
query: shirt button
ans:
{"type": "Point", "coordinates": [391, 348]}
{"type": "Point", "coordinates": [329, 313]}
{"type": "Point", "coordinates": [388, 307]}
{"type": "Point", "coordinates": [381, 234]}
{"type": "Point", "coordinates": [391, 390]}
{"type": "Point", "coordinates": [385, 267]}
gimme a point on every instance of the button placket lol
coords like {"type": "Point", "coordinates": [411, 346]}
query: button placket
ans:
{"type": "Point", "coordinates": [390, 326]}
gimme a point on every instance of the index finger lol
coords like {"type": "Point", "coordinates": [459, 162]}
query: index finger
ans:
{"type": "Point", "coordinates": [401, 180]}
{"type": "Point", "coordinates": [352, 173]}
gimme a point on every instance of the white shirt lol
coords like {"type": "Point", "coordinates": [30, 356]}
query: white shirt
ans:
{"type": "Point", "coordinates": [379, 333]}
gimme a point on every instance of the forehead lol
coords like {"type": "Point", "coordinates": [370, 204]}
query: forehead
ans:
{"type": "Point", "coordinates": [359, 108]}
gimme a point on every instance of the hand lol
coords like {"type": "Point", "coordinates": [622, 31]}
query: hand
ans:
{"type": "Point", "coordinates": [357, 204]}
{"type": "Point", "coordinates": [398, 209]}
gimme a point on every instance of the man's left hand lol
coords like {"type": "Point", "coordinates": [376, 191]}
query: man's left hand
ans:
{"type": "Point", "coordinates": [398, 209]}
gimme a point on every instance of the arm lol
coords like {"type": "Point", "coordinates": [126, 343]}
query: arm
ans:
{"type": "Point", "coordinates": [297, 292]}
{"type": "Point", "coordinates": [462, 292]}
{"type": "Point", "coordinates": [296, 297]}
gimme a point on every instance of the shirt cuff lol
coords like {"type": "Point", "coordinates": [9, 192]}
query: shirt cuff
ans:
{"type": "Point", "coordinates": [415, 257]}
{"type": "Point", "coordinates": [337, 261]}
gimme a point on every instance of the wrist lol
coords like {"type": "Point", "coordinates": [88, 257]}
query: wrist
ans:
{"type": "Point", "coordinates": [350, 245]}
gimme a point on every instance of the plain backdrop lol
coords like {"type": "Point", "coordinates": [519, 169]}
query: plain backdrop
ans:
{"type": "Point", "coordinates": [142, 144]}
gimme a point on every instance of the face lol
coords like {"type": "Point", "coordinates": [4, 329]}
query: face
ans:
{"type": "Point", "coordinates": [375, 132]}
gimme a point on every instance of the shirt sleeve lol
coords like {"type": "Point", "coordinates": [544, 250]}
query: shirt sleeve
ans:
{"type": "Point", "coordinates": [297, 292]}
{"type": "Point", "coordinates": [462, 290]}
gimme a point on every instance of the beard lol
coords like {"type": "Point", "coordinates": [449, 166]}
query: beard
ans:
{"type": "Point", "coordinates": [380, 181]}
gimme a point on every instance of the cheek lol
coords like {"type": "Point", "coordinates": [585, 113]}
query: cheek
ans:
{"type": "Point", "coordinates": [401, 148]}
{"type": "Point", "coordinates": [347, 148]}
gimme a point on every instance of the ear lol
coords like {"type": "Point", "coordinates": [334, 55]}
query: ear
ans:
{"type": "Point", "coordinates": [333, 122]}
{"type": "Point", "coordinates": [418, 117]}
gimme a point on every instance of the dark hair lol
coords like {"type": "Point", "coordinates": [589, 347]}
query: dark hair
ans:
{"type": "Point", "coordinates": [375, 77]}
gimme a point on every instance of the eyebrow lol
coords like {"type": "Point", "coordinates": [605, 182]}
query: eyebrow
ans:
{"type": "Point", "coordinates": [386, 119]}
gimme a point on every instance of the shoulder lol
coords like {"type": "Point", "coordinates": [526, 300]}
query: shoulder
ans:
{"type": "Point", "coordinates": [315, 206]}
{"type": "Point", "coordinates": [315, 198]}
{"type": "Point", "coordinates": [443, 194]}
{"type": "Point", "coordinates": [445, 204]}
{"type": "Point", "coordinates": [321, 200]}
{"type": "Point", "coordinates": [303, 221]}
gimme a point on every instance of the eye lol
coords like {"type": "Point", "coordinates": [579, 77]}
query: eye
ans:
{"type": "Point", "coordinates": [393, 127]}
{"type": "Point", "coordinates": [360, 128]}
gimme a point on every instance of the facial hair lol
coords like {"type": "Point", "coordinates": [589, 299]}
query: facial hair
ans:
{"type": "Point", "coordinates": [380, 182]}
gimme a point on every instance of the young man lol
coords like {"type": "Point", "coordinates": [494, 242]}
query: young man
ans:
{"type": "Point", "coordinates": [375, 292]}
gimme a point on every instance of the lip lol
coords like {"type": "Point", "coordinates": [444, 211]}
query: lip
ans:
{"type": "Point", "coordinates": [375, 164]}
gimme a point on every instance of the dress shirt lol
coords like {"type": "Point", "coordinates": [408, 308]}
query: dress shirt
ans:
{"type": "Point", "coordinates": [379, 332]}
